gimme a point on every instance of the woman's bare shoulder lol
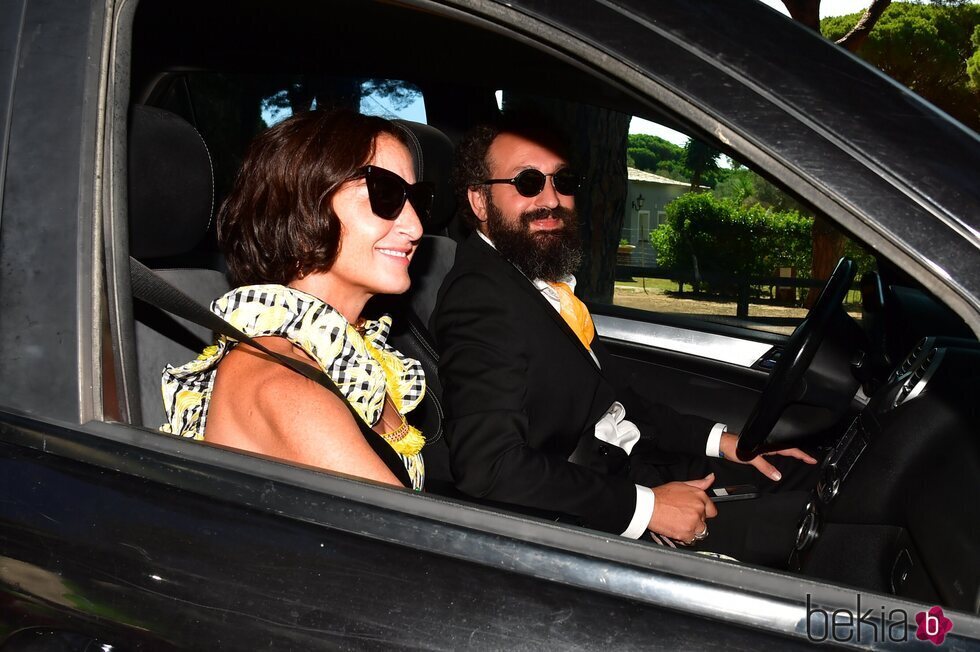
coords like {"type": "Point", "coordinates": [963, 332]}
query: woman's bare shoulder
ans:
{"type": "Point", "coordinates": [279, 393]}
{"type": "Point", "coordinates": [280, 413]}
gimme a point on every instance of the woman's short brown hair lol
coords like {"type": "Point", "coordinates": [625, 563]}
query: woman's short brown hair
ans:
{"type": "Point", "coordinates": [278, 222]}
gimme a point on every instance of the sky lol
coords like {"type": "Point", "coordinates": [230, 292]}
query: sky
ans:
{"type": "Point", "coordinates": [827, 7]}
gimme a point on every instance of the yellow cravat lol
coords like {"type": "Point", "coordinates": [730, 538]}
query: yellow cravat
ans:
{"type": "Point", "coordinates": [575, 314]}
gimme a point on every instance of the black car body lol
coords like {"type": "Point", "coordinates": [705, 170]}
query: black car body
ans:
{"type": "Point", "coordinates": [112, 533]}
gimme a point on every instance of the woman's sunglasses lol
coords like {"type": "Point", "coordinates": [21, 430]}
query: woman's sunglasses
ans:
{"type": "Point", "coordinates": [530, 183]}
{"type": "Point", "coordinates": [387, 193]}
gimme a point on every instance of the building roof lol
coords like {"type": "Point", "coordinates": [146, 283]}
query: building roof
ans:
{"type": "Point", "coordinates": [649, 177]}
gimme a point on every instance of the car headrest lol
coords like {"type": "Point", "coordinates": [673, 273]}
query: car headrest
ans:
{"type": "Point", "coordinates": [171, 184]}
{"type": "Point", "coordinates": [432, 152]}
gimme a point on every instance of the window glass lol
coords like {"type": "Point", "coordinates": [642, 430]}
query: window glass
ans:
{"type": "Point", "coordinates": [231, 109]}
{"type": "Point", "coordinates": [392, 98]}
{"type": "Point", "coordinates": [387, 98]}
{"type": "Point", "coordinates": [705, 235]}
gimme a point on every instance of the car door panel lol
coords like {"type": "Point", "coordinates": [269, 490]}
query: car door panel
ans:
{"type": "Point", "coordinates": [678, 365]}
{"type": "Point", "coordinates": [160, 552]}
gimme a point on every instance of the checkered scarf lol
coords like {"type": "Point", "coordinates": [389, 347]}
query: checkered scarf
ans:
{"type": "Point", "coordinates": [315, 327]}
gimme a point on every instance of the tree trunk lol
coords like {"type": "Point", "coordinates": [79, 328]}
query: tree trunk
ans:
{"type": "Point", "coordinates": [828, 246]}
{"type": "Point", "coordinates": [854, 39]}
{"type": "Point", "coordinates": [696, 181]}
{"type": "Point", "coordinates": [598, 139]}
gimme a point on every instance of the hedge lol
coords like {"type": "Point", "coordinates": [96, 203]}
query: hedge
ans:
{"type": "Point", "coordinates": [730, 240]}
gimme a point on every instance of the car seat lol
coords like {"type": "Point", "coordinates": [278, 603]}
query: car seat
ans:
{"type": "Point", "coordinates": [432, 153]}
{"type": "Point", "coordinates": [171, 205]}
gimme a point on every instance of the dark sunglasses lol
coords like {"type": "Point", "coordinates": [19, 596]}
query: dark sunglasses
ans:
{"type": "Point", "coordinates": [530, 183]}
{"type": "Point", "coordinates": [387, 193]}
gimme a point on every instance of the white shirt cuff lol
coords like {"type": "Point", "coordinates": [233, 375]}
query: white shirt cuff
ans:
{"type": "Point", "coordinates": [713, 447]}
{"type": "Point", "coordinates": [643, 513]}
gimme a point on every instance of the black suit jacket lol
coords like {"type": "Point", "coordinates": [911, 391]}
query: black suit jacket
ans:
{"type": "Point", "coordinates": [521, 393]}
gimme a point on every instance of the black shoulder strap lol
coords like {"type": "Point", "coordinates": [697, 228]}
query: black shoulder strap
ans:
{"type": "Point", "coordinates": [152, 289]}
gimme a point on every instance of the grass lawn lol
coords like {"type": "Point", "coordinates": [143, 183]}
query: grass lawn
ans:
{"type": "Point", "coordinates": [661, 295]}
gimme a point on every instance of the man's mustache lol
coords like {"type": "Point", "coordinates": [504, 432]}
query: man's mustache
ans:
{"type": "Point", "coordinates": [561, 213]}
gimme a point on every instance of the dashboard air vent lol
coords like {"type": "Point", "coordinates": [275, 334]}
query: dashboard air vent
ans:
{"type": "Point", "coordinates": [919, 376]}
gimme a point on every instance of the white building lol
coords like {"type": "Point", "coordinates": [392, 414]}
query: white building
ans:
{"type": "Point", "coordinates": [646, 198]}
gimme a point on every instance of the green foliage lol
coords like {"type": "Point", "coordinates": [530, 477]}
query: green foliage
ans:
{"type": "Point", "coordinates": [929, 48]}
{"type": "Point", "coordinates": [673, 170]}
{"type": "Point", "coordinates": [662, 150]}
{"type": "Point", "coordinates": [643, 159]}
{"type": "Point", "coordinates": [654, 154]}
{"type": "Point", "coordinates": [744, 187]}
{"type": "Point", "coordinates": [728, 239]}
{"type": "Point", "coordinates": [973, 63]}
{"type": "Point", "coordinates": [701, 159]}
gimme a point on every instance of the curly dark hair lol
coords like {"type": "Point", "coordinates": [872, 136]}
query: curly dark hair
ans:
{"type": "Point", "coordinates": [472, 163]}
{"type": "Point", "coordinates": [278, 223]}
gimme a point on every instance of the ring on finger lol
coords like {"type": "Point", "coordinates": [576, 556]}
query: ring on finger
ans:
{"type": "Point", "coordinates": [703, 534]}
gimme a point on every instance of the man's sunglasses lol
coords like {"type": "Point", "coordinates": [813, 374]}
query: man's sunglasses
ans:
{"type": "Point", "coordinates": [387, 193]}
{"type": "Point", "coordinates": [530, 183]}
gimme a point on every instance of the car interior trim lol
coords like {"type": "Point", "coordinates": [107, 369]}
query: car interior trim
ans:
{"type": "Point", "coordinates": [17, 13]}
{"type": "Point", "coordinates": [116, 218]}
{"type": "Point", "coordinates": [743, 353]}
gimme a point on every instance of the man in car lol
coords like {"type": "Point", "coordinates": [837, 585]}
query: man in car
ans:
{"type": "Point", "coordinates": [537, 416]}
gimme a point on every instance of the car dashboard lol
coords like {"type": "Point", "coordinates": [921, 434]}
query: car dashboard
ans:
{"type": "Point", "coordinates": [896, 508]}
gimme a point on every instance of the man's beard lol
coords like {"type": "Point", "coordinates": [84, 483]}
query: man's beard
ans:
{"type": "Point", "coordinates": [546, 255]}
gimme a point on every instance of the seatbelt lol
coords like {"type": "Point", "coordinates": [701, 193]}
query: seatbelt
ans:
{"type": "Point", "coordinates": [152, 289]}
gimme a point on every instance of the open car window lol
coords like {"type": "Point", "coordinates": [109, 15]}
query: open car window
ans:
{"type": "Point", "coordinates": [706, 235]}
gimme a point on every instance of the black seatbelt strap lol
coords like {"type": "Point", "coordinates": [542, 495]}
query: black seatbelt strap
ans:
{"type": "Point", "coordinates": [152, 289]}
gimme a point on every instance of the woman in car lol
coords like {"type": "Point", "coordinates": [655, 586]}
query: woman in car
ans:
{"type": "Point", "coordinates": [325, 213]}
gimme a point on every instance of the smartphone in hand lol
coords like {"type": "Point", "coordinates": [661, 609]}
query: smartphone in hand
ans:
{"type": "Point", "coordinates": [733, 492]}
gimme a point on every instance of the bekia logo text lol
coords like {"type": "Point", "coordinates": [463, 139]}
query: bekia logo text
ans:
{"type": "Point", "coordinates": [873, 625]}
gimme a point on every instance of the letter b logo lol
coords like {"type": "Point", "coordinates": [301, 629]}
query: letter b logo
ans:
{"type": "Point", "coordinates": [933, 625]}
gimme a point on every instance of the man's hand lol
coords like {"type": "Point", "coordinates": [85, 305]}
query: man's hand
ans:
{"type": "Point", "coordinates": [727, 447]}
{"type": "Point", "coordinates": [681, 509]}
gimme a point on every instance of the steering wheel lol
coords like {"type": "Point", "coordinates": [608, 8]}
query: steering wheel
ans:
{"type": "Point", "coordinates": [781, 388]}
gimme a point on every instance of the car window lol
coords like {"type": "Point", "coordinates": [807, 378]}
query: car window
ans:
{"type": "Point", "coordinates": [230, 109]}
{"type": "Point", "coordinates": [703, 234]}
{"type": "Point", "coordinates": [675, 225]}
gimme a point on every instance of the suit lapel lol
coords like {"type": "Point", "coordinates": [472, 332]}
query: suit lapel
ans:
{"type": "Point", "coordinates": [521, 281]}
